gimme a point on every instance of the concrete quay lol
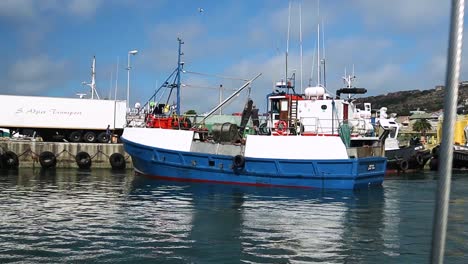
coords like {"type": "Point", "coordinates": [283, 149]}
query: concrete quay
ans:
{"type": "Point", "coordinates": [34, 154]}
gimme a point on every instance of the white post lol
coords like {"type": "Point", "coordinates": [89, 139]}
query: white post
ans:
{"type": "Point", "coordinates": [116, 78]}
{"type": "Point", "coordinates": [128, 81]}
{"type": "Point", "coordinates": [132, 52]}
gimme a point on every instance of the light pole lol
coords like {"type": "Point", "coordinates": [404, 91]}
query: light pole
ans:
{"type": "Point", "coordinates": [132, 52]}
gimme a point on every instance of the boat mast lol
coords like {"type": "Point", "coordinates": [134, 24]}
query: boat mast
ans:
{"type": "Point", "coordinates": [93, 77]}
{"type": "Point", "coordinates": [300, 38]}
{"type": "Point", "coordinates": [92, 84]}
{"type": "Point", "coordinates": [179, 69]}
{"type": "Point", "coordinates": [287, 46]}
{"type": "Point", "coordinates": [323, 60]}
{"type": "Point", "coordinates": [318, 55]}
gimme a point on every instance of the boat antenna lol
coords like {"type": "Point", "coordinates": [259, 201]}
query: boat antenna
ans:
{"type": "Point", "coordinates": [318, 45]}
{"type": "Point", "coordinates": [318, 55]}
{"type": "Point", "coordinates": [180, 65]}
{"type": "Point", "coordinates": [313, 65]}
{"type": "Point", "coordinates": [92, 84]}
{"type": "Point", "coordinates": [93, 79]}
{"type": "Point", "coordinates": [110, 84]}
{"type": "Point", "coordinates": [287, 45]}
{"type": "Point", "coordinates": [323, 60]}
{"type": "Point", "coordinates": [300, 38]}
{"type": "Point", "coordinates": [439, 230]}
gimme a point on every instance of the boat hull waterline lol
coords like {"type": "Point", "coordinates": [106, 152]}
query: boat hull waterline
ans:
{"type": "Point", "coordinates": [177, 165]}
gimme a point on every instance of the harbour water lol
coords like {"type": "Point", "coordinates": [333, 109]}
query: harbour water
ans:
{"type": "Point", "coordinates": [111, 217]}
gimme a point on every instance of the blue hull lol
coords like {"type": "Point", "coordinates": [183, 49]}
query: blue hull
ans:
{"type": "Point", "coordinates": [203, 167]}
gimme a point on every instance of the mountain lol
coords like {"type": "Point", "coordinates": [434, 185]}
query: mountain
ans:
{"type": "Point", "coordinates": [403, 102]}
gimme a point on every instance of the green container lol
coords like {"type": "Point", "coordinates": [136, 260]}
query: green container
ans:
{"type": "Point", "coordinates": [4, 132]}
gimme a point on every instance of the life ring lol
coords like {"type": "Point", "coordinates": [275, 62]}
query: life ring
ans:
{"type": "Point", "coordinates": [419, 158]}
{"type": "Point", "coordinates": [281, 127]}
{"type": "Point", "coordinates": [47, 159]}
{"type": "Point", "coordinates": [83, 160]}
{"type": "Point", "coordinates": [117, 161]}
{"type": "Point", "coordinates": [11, 160]}
{"type": "Point", "coordinates": [403, 165]}
{"type": "Point", "coordinates": [238, 161]}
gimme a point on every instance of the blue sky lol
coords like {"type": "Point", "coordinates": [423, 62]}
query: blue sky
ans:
{"type": "Point", "coordinates": [47, 45]}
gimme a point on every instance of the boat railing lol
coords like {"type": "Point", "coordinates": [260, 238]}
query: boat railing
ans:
{"type": "Point", "coordinates": [319, 126]}
{"type": "Point", "coordinates": [366, 151]}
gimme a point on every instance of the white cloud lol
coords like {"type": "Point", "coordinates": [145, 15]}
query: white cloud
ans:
{"type": "Point", "coordinates": [34, 75]}
{"type": "Point", "coordinates": [17, 9]}
{"type": "Point", "coordinates": [84, 8]}
{"type": "Point", "coordinates": [403, 15]}
{"type": "Point", "coordinates": [30, 11]}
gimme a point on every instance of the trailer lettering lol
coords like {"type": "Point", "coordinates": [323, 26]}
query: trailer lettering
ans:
{"type": "Point", "coordinates": [69, 113]}
{"type": "Point", "coordinates": [33, 111]}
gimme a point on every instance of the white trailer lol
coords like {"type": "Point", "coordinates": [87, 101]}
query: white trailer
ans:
{"type": "Point", "coordinates": [55, 118]}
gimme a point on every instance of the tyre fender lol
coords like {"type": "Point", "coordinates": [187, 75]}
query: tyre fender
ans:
{"type": "Point", "coordinates": [419, 158]}
{"type": "Point", "coordinates": [83, 160]}
{"type": "Point", "coordinates": [47, 159]}
{"type": "Point", "coordinates": [11, 160]}
{"type": "Point", "coordinates": [238, 161]}
{"type": "Point", "coordinates": [117, 161]}
{"type": "Point", "coordinates": [403, 165]}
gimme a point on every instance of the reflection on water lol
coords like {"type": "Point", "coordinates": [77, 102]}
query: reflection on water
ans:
{"type": "Point", "coordinates": [105, 216]}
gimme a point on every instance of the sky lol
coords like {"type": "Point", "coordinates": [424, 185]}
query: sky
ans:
{"type": "Point", "coordinates": [47, 46]}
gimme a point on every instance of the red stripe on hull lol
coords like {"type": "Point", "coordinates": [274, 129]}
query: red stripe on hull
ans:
{"type": "Point", "coordinates": [223, 182]}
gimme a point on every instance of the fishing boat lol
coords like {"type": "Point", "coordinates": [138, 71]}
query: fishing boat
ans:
{"type": "Point", "coordinates": [310, 140]}
{"type": "Point", "coordinates": [460, 138]}
{"type": "Point", "coordinates": [401, 158]}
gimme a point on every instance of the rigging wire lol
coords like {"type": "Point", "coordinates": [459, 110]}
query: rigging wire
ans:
{"type": "Point", "coordinates": [207, 87]}
{"type": "Point", "coordinates": [215, 75]}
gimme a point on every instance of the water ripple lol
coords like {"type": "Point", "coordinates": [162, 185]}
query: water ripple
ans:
{"type": "Point", "coordinates": [102, 216]}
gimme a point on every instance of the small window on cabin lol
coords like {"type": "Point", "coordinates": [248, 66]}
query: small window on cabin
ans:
{"type": "Point", "coordinates": [211, 163]}
{"type": "Point", "coordinates": [324, 107]}
{"type": "Point", "coordinates": [275, 106]}
{"type": "Point", "coordinates": [284, 105]}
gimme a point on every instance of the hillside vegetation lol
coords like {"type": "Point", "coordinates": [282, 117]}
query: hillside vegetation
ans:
{"type": "Point", "coordinates": [405, 101]}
